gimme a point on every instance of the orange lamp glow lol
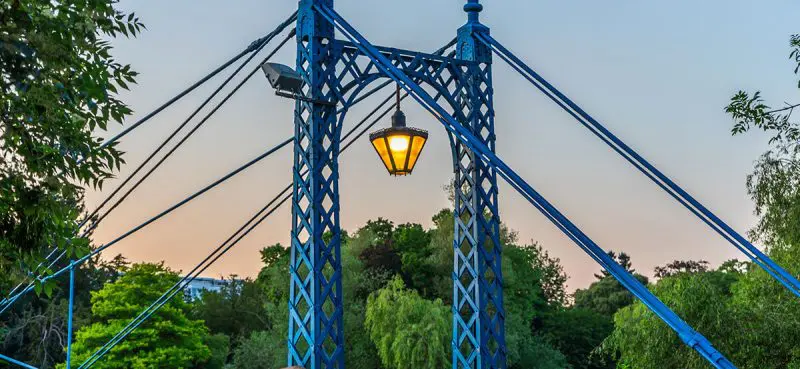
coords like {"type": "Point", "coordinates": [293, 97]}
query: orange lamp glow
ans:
{"type": "Point", "coordinates": [399, 146]}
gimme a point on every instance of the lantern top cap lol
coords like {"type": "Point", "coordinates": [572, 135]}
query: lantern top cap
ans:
{"type": "Point", "coordinates": [398, 130]}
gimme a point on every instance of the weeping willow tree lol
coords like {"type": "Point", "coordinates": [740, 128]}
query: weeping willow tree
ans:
{"type": "Point", "coordinates": [409, 331]}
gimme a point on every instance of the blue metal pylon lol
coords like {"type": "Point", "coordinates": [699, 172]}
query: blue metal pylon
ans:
{"type": "Point", "coordinates": [478, 313]}
{"type": "Point", "coordinates": [332, 73]}
{"type": "Point", "coordinates": [315, 308]}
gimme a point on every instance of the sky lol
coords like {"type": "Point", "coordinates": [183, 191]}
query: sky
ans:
{"type": "Point", "coordinates": [657, 74]}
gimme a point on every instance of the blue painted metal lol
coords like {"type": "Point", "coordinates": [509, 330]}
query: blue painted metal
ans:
{"type": "Point", "coordinates": [254, 48]}
{"type": "Point", "coordinates": [316, 327]}
{"type": "Point", "coordinates": [686, 333]}
{"type": "Point", "coordinates": [229, 243]}
{"type": "Point", "coordinates": [462, 83]}
{"type": "Point", "coordinates": [478, 277]}
{"type": "Point", "coordinates": [16, 362]}
{"type": "Point", "coordinates": [70, 310]}
{"type": "Point", "coordinates": [663, 181]}
{"type": "Point", "coordinates": [155, 218]}
{"type": "Point", "coordinates": [201, 267]}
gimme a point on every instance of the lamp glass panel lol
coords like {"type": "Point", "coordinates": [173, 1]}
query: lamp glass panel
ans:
{"type": "Point", "coordinates": [418, 142]}
{"type": "Point", "coordinates": [398, 146]}
{"type": "Point", "coordinates": [380, 146]}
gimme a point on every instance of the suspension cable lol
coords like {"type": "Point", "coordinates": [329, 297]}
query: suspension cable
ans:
{"type": "Point", "coordinates": [660, 179]}
{"type": "Point", "coordinates": [190, 133]}
{"type": "Point", "coordinates": [692, 338]}
{"type": "Point", "coordinates": [180, 127]}
{"type": "Point", "coordinates": [254, 48]}
{"type": "Point", "coordinates": [167, 155]}
{"type": "Point", "coordinates": [180, 285]}
{"type": "Point", "coordinates": [228, 243]}
{"type": "Point", "coordinates": [155, 218]}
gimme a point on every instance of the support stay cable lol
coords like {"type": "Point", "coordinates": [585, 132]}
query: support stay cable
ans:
{"type": "Point", "coordinates": [160, 215]}
{"type": "Point", "coordinates": [686, 333]}
{"type": "Point", "coordinates": [229, 243]}
{"type": "Point", "coordinates": [664, 182]}
{"type": "Point", "coordinates": [254, 48]}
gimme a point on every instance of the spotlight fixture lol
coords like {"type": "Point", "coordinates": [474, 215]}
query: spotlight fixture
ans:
{"type": "Point", "coordinates": [288, 83]}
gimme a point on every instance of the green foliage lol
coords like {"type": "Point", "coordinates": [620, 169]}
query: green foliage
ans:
{"type": "Point", "coordinates": [773, 319]}
{"type": "Point", "coordinates": [409, 331]}
{"type": "Point", "coordinates": [33, 329]}
{"type": "Point", "coordinates": [358, 283]}
{"type": "Point", "coordinates": [381, 229]}
{"type": "Point", "coordinates": [774, 187]}
{"type": "Point", "coordinates": [235, 311]}
{"type": "Point", "coordinates": [390, 324]}
{"type": "Point", "coordinates": [412, 242]}
{"type": "Point", "coordinates": [749, 111]}
{"type": "Point", "coordinates": [577, 333]}
{"type": "Point", "coordinates": [703, 299]}
{"type": "Point", "coordinates": [220, 346]}
{"type": "Point", "coordinates": [748, 315]}
{"type": "Point", "coordinates": [262, 350]}
{"type": "Point", "coordinates": [169, 339]}
{"type": "Point", "coordinates": [267, 348]}
{"type": "Point", "coordinates": [535, 353]}
{"type": "Point", "coordinates": [681, 267]}
{"type": "Point", "coordinates": [531, 289]}
{"type": "Point", "coordinates": [58, 84]}
{"type": "Point", "coordinates": [605, 296]}
{"type": "Point", "coordinates": [623, 259]}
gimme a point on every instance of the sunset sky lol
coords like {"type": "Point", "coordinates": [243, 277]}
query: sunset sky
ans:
{"type": "Point", "coordinates": [658, 74]}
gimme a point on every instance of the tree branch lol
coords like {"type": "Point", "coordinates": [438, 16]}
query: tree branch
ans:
{"type": "Point", "coordinates": [790, 107]}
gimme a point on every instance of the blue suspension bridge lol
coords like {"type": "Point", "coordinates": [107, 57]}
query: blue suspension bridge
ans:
{"type": "Point", "coordinates": [332, 76]}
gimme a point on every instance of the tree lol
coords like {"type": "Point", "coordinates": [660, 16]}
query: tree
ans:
{"type": "Point", "coordinates": [169, 339]}
{"type": "Point", "coordinates": [220, 346]}
{"type": "Point", "coordinates": [235, 311]}
{"type": "Point", "coordinates": [412, 242]}
{"type": "Point", "coordinates": [262, 350]}
{"type": "Point", "coordinates": [409, 331]}
{"type": "Point", "coordinates": [607, 295]}
{"type": "Point", "coordinates": [382, 230]}
{"type": "Point", "coordinates": [680, 267]}
{"type": "Point", "coordinates": [578, 333]}
{"type": "Point", "coordinates": [702, 300]}
{"type": "Point", "coordinates": [534, 284]}
{"type": "Point", "coordinates": [775, 184]}
{"type": "Point", "coordinates": [34, 329]}
{"type": "Point", "coordinates": [57, 88]}
{"type": "Point", "coordinates": [623, 259]}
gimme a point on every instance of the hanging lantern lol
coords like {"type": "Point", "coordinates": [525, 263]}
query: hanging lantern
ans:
{"type": "Point", "coordinates": [399, 146]}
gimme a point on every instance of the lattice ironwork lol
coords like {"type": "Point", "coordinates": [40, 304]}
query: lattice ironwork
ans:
{"type": "Point", "coordinates": [479, 322]}
{"type": "Point", "coordinates": [464, 85]}
{"type": "Point", "coordinates": [316, 337]}
{"type": "Point", "coordinates": [336, 70]}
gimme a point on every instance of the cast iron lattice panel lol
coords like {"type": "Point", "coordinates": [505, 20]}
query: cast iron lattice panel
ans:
{"type": "Point", "coordinates": [465, 85]}
{"type": "Point", "coordinates": [316, 338]}
{"type": "Point", "coordinates": [479, 323]}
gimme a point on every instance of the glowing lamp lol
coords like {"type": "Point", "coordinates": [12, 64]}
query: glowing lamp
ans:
{"type": "Point", "coordinates": [399, 146]}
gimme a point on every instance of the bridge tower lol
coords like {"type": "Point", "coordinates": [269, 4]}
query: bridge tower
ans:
{"type": "Point", "coordinates": [316, 338]}
{"type": "Point", "coordinates": [478, 314]}
{"type": "Point", "coordinates": [332, 77]}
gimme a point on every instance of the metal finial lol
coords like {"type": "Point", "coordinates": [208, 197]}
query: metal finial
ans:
{"type": "Point", "coordinates": [473, 8]}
